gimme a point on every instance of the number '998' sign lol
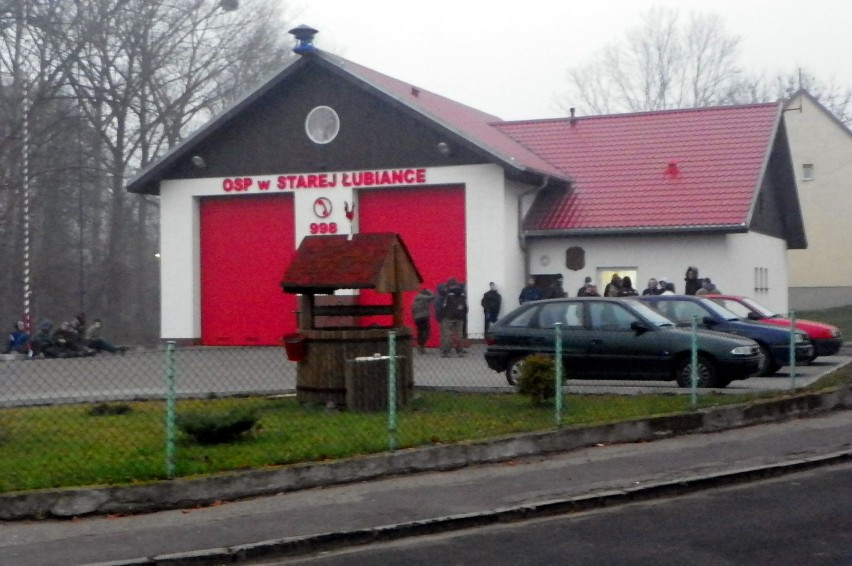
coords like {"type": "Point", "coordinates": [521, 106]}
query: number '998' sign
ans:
{"type": "Point", "coordinates": [323, 227]}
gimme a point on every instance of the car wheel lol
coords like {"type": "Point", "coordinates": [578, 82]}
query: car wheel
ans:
{"type": "Point", "coordinates": [513, 371]}
{"type": "Point", "coordinates": [705, 370]}
{"type": "Point", "coordinates": [768, 367]}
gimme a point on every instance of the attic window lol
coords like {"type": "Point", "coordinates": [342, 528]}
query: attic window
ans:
{"type": "Point", "coordinates": [807, 171]}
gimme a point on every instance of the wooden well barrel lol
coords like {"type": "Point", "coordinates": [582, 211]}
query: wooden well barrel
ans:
{"type": "Point", "coordinates": [321, 376]}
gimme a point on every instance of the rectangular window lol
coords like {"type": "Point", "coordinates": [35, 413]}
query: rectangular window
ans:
{"type": "Point", "coordinates": [761, 280]}
{"type": "Point", "coordinates": [808, 172]}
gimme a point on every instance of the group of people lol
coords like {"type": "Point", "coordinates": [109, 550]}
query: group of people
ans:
{"type": "Point", "coordinates": [70, 340]}
{"type": "Point", "coordinates": [449, 304]}
{"type": "Point", "coordinates": [450, 310]}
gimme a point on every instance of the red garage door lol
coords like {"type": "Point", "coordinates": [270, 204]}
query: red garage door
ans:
{"type": "Point", "coordinates": [246, 244]}
{"type": "Point", "coordinates": [431, 222]}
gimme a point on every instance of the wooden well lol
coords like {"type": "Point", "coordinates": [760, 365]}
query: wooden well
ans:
{"type": "Point", "coordinates": [324, 264]}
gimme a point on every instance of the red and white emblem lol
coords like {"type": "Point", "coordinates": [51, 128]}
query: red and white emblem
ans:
{"type": "Point", "coordinates": [322, 207]}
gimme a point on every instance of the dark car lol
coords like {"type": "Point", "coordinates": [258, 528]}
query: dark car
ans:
{"type": "Point", "coordinates": [774, 341]}
{"type": "Point", "coordinates": [617, 339]}
{"type": "Point", "coordinates": [826, 338]}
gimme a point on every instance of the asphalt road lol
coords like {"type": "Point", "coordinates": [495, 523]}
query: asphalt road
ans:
{"type": "Point", "coordinates": [800, 519]}
{"type": "Point", "coordinates": [203, 372]}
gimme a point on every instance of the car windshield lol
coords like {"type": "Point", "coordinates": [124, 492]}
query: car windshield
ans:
{"type": "Point", "coordinates": [764, 312]}
{"type": "Point", "coordinates": [650, 315]}
{"type": "Point", "coordinates": [718, 310]}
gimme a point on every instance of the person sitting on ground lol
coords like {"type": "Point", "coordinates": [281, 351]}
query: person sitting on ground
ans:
{"type": "Point", "coordinates": [66, 343]}
{"type": "Point", "coordinates": [95, 342]}
{"type": "Point", "coordinates": [41, 343]}
{"type": "Point", "coordinates": [19, 341]}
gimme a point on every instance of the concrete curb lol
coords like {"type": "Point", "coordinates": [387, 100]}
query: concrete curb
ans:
{"type": "Point", "coordinates": [184, 493]}
{"type": "Point", "coordinates": [324, 542]}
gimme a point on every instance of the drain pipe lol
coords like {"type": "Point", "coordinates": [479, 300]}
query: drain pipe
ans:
{"type": "Point", "coordinates": [522, 239]}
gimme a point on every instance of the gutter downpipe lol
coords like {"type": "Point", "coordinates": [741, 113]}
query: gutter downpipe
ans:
{"type": "Point", "coordinates": [522, 239]}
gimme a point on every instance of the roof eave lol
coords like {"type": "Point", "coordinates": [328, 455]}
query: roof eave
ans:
{"type": "Point", "coordinates": [639, 231]}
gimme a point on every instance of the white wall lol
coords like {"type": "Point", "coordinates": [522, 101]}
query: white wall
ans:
{"type": "Point", "coordinates": [826, 200]}
{"type": "Point", "coordinates": [491, 242]}
{"type": "Point", "coordinates": [728, 259]}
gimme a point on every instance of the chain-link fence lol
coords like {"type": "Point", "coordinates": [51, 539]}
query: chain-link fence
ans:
{"type": "Point", "coordinates": [143, 414]}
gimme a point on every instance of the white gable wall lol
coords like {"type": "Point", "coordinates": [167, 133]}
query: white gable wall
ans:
{"type": "Point", "coordinates": [821, 275]}
{"type": "Point", "coordinates": [729, 260]}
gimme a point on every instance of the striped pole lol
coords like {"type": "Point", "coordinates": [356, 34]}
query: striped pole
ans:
{"type": "Point", "coordinates": [25, 186]}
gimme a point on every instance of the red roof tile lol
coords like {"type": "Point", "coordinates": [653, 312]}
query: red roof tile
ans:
{"type": "Point", "coordinates": [620, 165]}
{"type": "Point", "coordinates": [470, 123]}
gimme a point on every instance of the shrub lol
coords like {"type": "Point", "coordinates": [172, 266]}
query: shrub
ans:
{"type": "Point", "coordinates": [109, 409]}
{"type": "Point", "coordinates": [218, 428]}
{"type": "Point", "coordinates": [537, 378]}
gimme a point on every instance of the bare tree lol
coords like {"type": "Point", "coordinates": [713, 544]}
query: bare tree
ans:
{"type": "Point", "coordinates": [660, 64]}
{"type": "Point", "coordinates": [113, 85]}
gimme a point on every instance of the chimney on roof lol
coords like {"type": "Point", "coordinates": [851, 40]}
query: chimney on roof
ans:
{"type": "Point", "coordinates": [304, 39]}
{"type": "Point", "coordinates": [573, 119]}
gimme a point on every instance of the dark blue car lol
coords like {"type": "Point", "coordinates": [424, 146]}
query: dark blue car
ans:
{"type": "Point", "coordinates": [774, 341]}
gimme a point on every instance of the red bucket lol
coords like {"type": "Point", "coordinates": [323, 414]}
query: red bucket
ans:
{"type": "Point", "coordinates": [295, 346]}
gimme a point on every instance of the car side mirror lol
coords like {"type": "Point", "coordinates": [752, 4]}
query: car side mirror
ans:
{"type": "Point", "coordinates": [753, 316]}
{"type": "Point", "coordinates": [639, 327]}
{"type": "Point", "coordinates": [708, 321]}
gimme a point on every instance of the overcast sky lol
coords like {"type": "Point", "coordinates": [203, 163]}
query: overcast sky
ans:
{"type": "Point", "coordinates": [510, 57]}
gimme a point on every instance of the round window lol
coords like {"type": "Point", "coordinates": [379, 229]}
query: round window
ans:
{"type": "Point", "coordinates": [322, 124]}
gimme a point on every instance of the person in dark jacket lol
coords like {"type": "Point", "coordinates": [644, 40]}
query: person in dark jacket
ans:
{"type": "Point", "coordinates": [613, 287]}
{"type": "Point", "coordinates": [491, 302]}
{"type": "Point", "coordinates": [627, 289]}
{"type": "Point", "coordinates": [691, 281]}
{"type": "Point", "coordinates": [653, 288]}
{"type": "Point", "coordinates": [584, 290]}
{"type": "Point", "coordinates": [530, 292]}
{"type": "Point", "coordinates": [67, 343]}
{"type": "Point", "coordinates": [453, 319]}
{"type": "Point", "coordinates": [421, 311]}
{"type": "Point", "coordinates": [555, 290]}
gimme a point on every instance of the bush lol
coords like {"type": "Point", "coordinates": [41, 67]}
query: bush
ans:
{"type": "Point", "coordinates": [109, 409]}
{"type": "Point", "coordinates": [218, 428]}
{"type": "Point", "coordinates": [537, 378]}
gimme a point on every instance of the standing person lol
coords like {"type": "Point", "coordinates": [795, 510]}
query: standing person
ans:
{"type": "Point", "coordinates": [555, 290]}
{"type": "Point", "coordinates": [421, 312]}
{"type": "Point", "coordinates": [691, 281]}
{"type": "Point", "coordinates": [491, 302]}
{"type": "Point", "coordinates": [530, 292]}
{"type": "Point", "coordinates": [19, 341]}
{"type": "Point", "coordinates": [666, 287]}
{"type": "Point", "coordinates": [592, 291]}
{"type": "Point", "coordinates": [96, 342]}
{"type": "Point", "coordinates": [613, 287]}
{"type": "Point", "coordinates": [652, 288]}
{"type": "Point", "coordinates": [587, 286]}
{"type": "Point", "coordinates": [454, 316]}
{"type": "Point", "coordinates": [627, 289]}
{"type": "Point", "coordinates": [708, 288]}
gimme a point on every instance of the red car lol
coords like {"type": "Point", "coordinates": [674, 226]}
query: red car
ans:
{"type": "Point", "coordinates": [827, 339]}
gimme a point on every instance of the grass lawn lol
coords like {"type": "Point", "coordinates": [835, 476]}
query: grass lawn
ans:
{"type": "Point", "coordinates": [84, 445]}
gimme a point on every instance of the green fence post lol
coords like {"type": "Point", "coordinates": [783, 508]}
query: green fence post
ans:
{"type": "Point", "coordinates": [793, 350]}
{"type": "Point", "coordinates": [170, 409]}
{"type": "Point", "coordinates": [392, 429]}
{"type": "Point", "coordinates": [558, 392]}
{"type": "Point", "coordinates": [693, 373]}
